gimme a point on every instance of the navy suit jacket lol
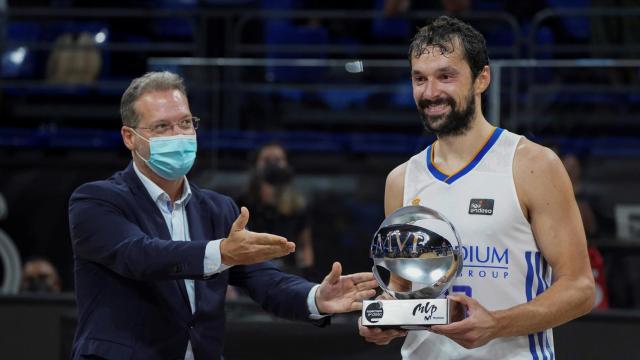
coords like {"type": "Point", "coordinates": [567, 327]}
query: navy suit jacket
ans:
{"type": "Point", "coordinates": [131, 297]}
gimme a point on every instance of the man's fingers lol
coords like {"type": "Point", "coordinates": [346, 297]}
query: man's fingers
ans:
{"type": "Point", "coordinates": [464, 304]}
{"type": "Point", "coordinates": [361, 277]}
{"type": "Point", "coordinates": [463, 299]}
{"type": "Point", "coordinates": [334, 275]}
{"type": "Point", "coordinates": [458, 327]}
{"type": "Point", "coordinates": [291, 247]}
{"type": "Point", "coordinates": [267, 239]}
{"type": "Point", "coordinates": [241, 221]}
{"type": "Point", "coordinates": [276, 246]}
{"type": "Point", "coordinates": [377, 335]}
{"type": "Point", "coordinates": [359, 296]}
{"type": "Point", "coordinates": [244, 247]}
{"type": "Point", "coordinates": [367, 285]}
{"type": "Point", "coordinates": [383, 337]}
{"type": "Point", "coordinates": [270, 252]}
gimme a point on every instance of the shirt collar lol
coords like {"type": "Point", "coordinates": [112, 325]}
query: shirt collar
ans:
{"type": "Point", "coordinates": [157, 194]}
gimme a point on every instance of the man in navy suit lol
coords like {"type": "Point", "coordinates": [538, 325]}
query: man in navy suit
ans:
{"type": "Point", "coordinates": [154, 253]}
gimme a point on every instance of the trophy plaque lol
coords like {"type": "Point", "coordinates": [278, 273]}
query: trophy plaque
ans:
{"type": "Point", "coordinates": [420, 245]}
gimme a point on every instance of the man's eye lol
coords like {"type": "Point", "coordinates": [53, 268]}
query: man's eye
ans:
{"type": "Point", "coordinates": [160, 127]}
{"type": "Point", "coordinates": [185, 123]}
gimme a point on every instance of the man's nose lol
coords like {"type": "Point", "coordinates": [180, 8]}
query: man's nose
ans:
{"type": "Point", "coordinates": [430, 91]}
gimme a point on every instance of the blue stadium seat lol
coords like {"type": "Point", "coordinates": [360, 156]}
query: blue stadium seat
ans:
{"type": "Point", "coordinates": [343, 100]}
{"type": "Point", "coordinates": [281, 4]}
{"type": "Point", "coordinates": [175, 27]}
{"type": "Point", "coordinates": [577, 27]}
{"type": "Point", "coordinates": [386, 28]}
{"type": "Point", "coordinates": [282, 33]}
{"type": "Point", "coordinates": [402, 97]}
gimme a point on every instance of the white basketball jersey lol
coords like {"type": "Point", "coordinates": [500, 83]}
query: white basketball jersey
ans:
{"type": "Point", "coordinates": [502, 265]}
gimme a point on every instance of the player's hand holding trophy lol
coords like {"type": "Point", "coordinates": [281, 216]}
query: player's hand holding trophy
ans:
{"type": "Point", "coordinates": [420, 245]}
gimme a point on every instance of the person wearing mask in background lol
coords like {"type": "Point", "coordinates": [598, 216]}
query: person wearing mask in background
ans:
{"type": "Point", "coordinates": [39, 276]}
{"type": "Point", "coordinates": [277, 207]}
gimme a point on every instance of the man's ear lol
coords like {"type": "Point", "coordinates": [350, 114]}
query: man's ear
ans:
{"type": "Point", "coordinates": [127, 137]}
{"type": "Point", "coordinates": [483, 80]}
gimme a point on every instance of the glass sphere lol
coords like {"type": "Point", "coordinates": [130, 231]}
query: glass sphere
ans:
{"type": "Point", "coordinates": [420, 245]}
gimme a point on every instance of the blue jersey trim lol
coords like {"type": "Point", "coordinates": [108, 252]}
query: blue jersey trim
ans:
{"type": "Point", "coordinates": [450, 179]}
{"type": "Point", "coordinates": [549, 348]}
{"type": "Point", "coordinates": [546, 286]}
{"type": "Point", "coordinates": [539, 290]}
{"type": "Point", "coordinates": [527, 290]}
{"type": "Point", "coordinates": [534, 272]}
{"type": "Point", "coordinates": [432, 169]}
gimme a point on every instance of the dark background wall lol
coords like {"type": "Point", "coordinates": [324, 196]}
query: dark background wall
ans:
{"type": "Point", "coordinates": [42, 328]}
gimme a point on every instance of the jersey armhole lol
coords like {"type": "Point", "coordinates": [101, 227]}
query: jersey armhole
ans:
{"type": "Point", "coordinates": [514, 189]}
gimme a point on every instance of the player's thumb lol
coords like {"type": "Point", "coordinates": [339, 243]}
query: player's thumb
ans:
{"type": "Point", "coordinates": [334, 275]}
{"type": "Point", "coordinates": [241, 221]}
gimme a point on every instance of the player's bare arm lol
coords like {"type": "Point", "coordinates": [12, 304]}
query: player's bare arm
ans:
{"type": "Point", "coordinates": [550, 206]}
{"type": "Point", "coordinates": [548, 203]}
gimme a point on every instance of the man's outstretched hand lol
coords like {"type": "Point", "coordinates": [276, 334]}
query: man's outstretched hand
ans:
{"type": "Point", "coordinates": [243, 247]}
{"type": "Point", "coordinates": [338, 294]}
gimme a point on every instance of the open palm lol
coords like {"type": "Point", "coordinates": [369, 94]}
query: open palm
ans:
{"type": "Point", "coordinates": [339, 294]}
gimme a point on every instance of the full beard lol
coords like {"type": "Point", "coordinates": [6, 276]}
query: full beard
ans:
{"type": "Point", "coordinates": [455, 123]}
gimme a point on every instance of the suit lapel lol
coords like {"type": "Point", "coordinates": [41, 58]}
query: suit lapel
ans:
{"type": "Point", "coordinates": [159, 227]}
{"type": "Point", "coordinates": [199, 230]}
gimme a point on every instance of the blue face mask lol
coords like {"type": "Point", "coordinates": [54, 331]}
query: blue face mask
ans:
{"type": "Point", "coordinates": [171, 156]}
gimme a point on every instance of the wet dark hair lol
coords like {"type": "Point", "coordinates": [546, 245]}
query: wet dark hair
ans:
{"type": "Point", "coordinates": [442, 33]}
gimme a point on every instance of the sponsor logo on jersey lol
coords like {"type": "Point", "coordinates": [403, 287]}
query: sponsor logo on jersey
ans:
{"type": "Point", "coordinates": [485, 262]}
{"type": "Point", "coordinates": [481, 207]}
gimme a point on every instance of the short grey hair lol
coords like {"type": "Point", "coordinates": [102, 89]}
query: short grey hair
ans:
{"type": "Point", "coordinates": [149, 82]}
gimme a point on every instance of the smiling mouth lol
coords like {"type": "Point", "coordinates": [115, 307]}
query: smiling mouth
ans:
{"type": "Point", "coordinates": [436, 109]}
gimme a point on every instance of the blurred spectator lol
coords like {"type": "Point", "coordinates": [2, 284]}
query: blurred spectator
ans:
{"type": "Point", "coordinates": [574, 169]}
{"type": "Point", "coordinates": [594, 216]}
{"type": "Point", "coordinates": [39, 276]}
{"type": "Point", "coordinates": [277, 207]}
{"type": "Point", "coordinates": [74, 59]}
